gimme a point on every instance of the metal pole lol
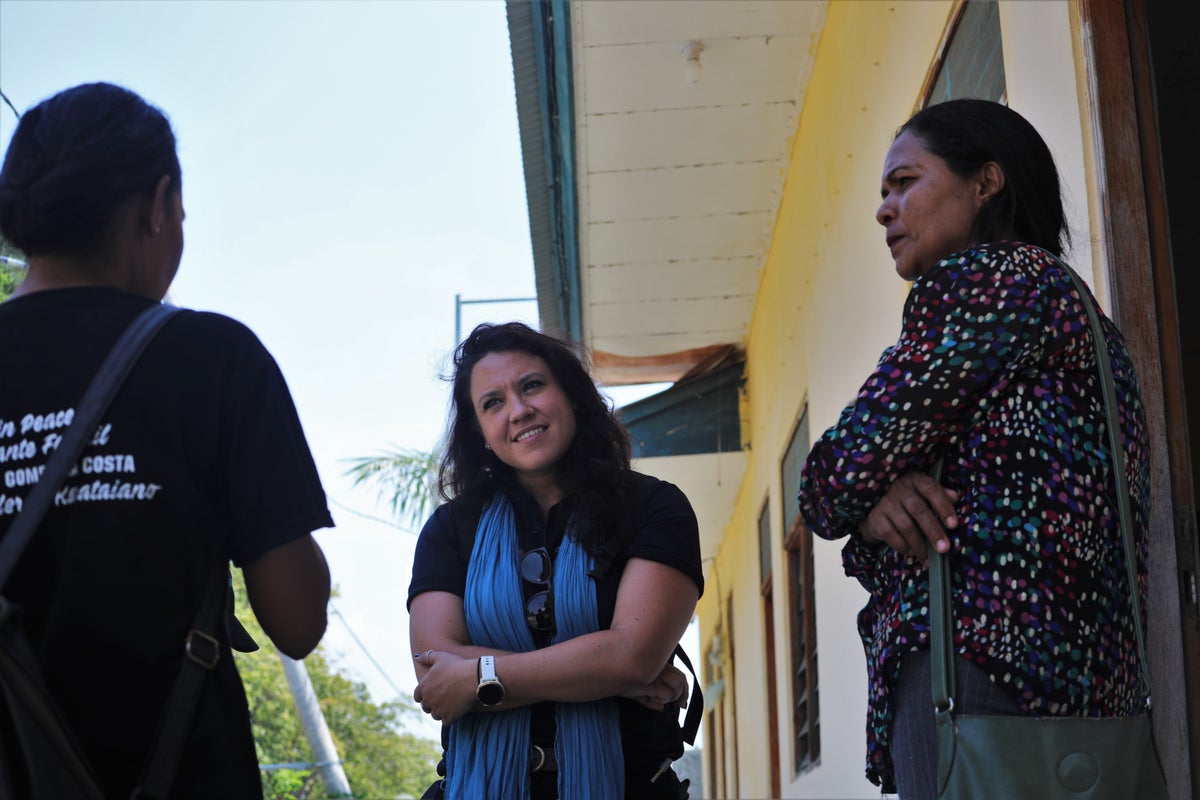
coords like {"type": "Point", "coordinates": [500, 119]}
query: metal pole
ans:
{"type": "Point", "coordinates": [329, 766]}
{"type": "Point", "coordinates": [459, 303]}
{"type": "Point", "coordinates": [457, 318]}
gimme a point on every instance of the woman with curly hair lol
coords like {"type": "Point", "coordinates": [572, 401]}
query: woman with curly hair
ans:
{"type": "Point", "coordinates": [549, 592]}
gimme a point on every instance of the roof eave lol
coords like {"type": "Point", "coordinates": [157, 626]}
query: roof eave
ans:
{"type": "Point", "coordinates": [540, 40]}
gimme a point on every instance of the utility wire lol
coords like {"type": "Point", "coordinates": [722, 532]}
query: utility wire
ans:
{"type": "Point", "coordinates": [300, 765]}
{"type": "Point", "coordinates": [399, 693]}
{"type": "Point", "coordinates": [8, 103]}
{"type": "Point", "coordinates": [366, 652]}
{"type": "Point", "coordinates": [380, 520]}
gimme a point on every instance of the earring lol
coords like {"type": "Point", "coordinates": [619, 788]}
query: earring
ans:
{"type": "Point", "coordinates": [487, 446]}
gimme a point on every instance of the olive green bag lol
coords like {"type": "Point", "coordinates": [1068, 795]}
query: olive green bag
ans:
{"type": "Point", "coordinates": [1046, 758]}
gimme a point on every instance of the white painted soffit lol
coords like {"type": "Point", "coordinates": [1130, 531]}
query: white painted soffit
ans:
{"type": "Point", "coordinates": [711, 482]}
{"type": "Point", "coordinates": [684, 114]}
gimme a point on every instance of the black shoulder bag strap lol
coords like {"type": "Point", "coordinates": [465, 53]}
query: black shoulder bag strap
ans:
{"type": "Point", "coordinates": [201, 649]}
{"type": "Point", "coordinates": [691, 721]}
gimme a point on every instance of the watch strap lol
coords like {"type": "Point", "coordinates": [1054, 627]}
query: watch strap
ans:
{"type": "Point", "coordinates": [487, 669]}
{"type": "Point", "coordinates": [490, 691]}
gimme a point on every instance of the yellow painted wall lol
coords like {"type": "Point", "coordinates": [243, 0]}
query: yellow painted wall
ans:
{"type": "Point", "coordinates": [828, 303]}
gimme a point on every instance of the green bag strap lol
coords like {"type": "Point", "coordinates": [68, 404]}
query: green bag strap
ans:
{"type": "Point", "coordinates": [941, 624]}
{"type": "Point", "coordinates": [1108, 385]}
{"type": "Point", "coordinates": [941, 646]}
{"type": "Point", "coordinates": [941, 620]}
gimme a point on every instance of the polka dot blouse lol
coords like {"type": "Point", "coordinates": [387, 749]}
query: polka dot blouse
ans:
{"type": "Point", "coordinates": [995, 371]}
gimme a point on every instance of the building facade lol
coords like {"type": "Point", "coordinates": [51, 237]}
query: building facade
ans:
{"type": "Point", "coordinates": [702, 181]}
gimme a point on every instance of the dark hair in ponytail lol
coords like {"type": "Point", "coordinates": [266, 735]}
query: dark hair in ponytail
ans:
{"type": "Point", "coordinates": [74, 159]}
{"type": "Point", "coordinates": [966, 134]}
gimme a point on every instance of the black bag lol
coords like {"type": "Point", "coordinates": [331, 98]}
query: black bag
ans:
{"type": "Point", "coordinates": [38, 755]}
{"type": "Point", "coordinates": [39, 758]}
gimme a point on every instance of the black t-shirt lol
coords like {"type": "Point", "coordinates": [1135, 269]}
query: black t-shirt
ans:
{"type": "Point", "coordinates": [200, 460]}
{"type": "Point", "coordinates": [663, 529]}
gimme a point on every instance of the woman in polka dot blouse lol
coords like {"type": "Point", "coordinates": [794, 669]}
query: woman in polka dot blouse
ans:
{"type": "Point", "coordinates": [994, 371]}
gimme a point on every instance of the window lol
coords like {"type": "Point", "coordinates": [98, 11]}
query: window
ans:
{"type": "Point", "coordinates": [768, 615]}
{"type": "Point", "coordinates": [802, 620]}
{"type": "Point", "coordinates": [714, 720]}
{"type": "Point", "coordinates": [972, 64]}
{"type": "Point", "coordinates": [793, 463]}
{"type": "Point", "coordinates": [764, 545]}
{"type": "Point", "coordinates": [721, 731]}
{"type": "Point", "coordinates": [732, 786]}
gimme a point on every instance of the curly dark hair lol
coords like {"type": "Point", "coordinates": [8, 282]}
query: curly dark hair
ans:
{"type": "Point", "coordinates": [967, 133]}
{"type": "Point", "coordinates": [595, 467]}
{"type": "Point", "coordinates": [74, 159]}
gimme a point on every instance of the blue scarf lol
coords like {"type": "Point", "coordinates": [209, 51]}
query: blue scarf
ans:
{"type": "Point", "coordinates": [489, 752]}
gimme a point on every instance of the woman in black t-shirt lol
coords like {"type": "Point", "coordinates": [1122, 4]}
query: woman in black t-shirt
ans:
{"type": "Point", "coordinates": [549, 594]}
{"type": "Point", "coordinates": [200, 459]}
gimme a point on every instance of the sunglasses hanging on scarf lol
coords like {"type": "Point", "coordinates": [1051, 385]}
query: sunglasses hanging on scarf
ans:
{"type": "Point", "coordinates": [537, 568]}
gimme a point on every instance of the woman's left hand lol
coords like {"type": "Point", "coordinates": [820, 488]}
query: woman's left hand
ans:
{"type": "Point", "coordinates": [447, 691]}
{"type": "Point", "coordinates": [670, 686]}
{"type": "Point", "coordinates": [916, 511]}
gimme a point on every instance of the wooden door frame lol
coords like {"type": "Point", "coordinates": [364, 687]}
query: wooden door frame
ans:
{"type": "Point", "coordinates": [1138, 250]}
{"type": "Point", "coordinates": [768, 607]}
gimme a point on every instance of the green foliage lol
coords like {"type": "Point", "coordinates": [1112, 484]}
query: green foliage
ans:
{"type": "Point", "coordinates": [380, 759]}
{"type": "Point", "coordinates": [10, 276]}
{"type": "Point", "coordinates": [405, 477]}
{"type": "Point", "coordinates": [8, 281]}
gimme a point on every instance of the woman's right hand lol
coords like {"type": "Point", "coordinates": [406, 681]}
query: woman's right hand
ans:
{"type": "Point", "coordinates": [446, 692]}
{"type": "Point", "coordinates": [916, 510]}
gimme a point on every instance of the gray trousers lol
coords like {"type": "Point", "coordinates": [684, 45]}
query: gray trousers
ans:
{"type": "Point", "coordinates": [914, 735]}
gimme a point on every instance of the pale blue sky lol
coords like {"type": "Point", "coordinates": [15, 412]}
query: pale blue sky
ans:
{"type": "Point", "coordinates": [347, 168]}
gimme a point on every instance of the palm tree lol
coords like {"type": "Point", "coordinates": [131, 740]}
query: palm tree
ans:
{"type": "Point", "coordinates": [406, 477]}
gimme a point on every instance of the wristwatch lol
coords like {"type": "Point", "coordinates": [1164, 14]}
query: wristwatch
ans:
{"type": "Point", "coordinates": [490, 691]}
